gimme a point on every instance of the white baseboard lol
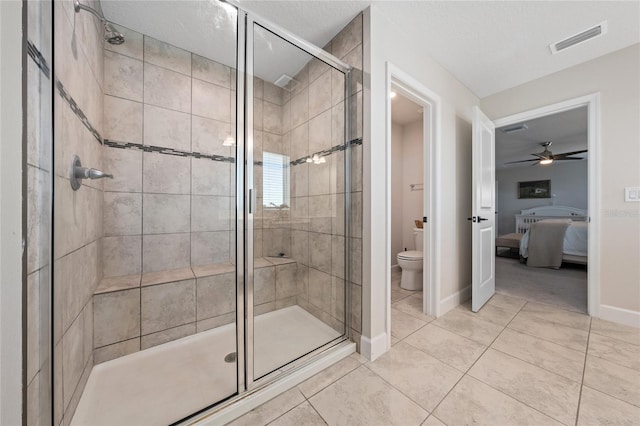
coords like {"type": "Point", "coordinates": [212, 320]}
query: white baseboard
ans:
{"type": "Point", "coordinates": [373, 348]}
{"type": "Point", "coordinates": [454, 300]}
{"type": "Point", "coordinates": [619, 315]}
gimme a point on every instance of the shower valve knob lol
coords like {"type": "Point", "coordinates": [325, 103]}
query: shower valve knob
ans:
{"type": "Point", "coordinates": [78, 172]}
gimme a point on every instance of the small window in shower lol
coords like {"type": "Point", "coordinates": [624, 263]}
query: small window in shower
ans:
{"type": "Point", "coordinates": [275, 175]}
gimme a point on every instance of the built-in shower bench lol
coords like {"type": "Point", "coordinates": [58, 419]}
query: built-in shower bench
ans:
{"type": "Point", "coordinates": [143, 310]}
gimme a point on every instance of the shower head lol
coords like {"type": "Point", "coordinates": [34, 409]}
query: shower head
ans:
{"type": "Point", "coordinates": [111, 36]}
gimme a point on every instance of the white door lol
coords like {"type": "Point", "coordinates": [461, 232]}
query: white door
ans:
{"type": "Point", "coordinates": [483, 207]}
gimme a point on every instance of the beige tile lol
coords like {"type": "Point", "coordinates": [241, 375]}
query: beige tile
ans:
{"type": "Point", "coordinates": [167, 128]}
{"type": "Point", "coordinates": [124, 282]}
{"type": "Point", "coordinates": [211, 247]}
{"type": "Point", "coordinates": [358, 357]}
{"type": "Point", "coordinates": [207, 136]}
{"type": "Point", "coordinates": [613, 379]}
{"type": "Point", "coordinates": [165, 55]}
{"type": "Point", "coordinates": [264, 285]}
{"type": "Point", "coordinates": [597, 408]}
{"type": "Point", "coordinates": [348, 38]}
{"type": "Point", "coordinates": [166, 88]}
{"type": "Point", "coordinates": [107, 353]}
{"type": "Point", "coordinates": [432, 421]}
{"type": "Point", "coordinates": [165, 252]}
{"type": "Point", "coordinates": [167, 305]}
{"type": "Point", "coordinates": [491, 313]}
{"type": "Point", "coordinates": [122, 120]}
{"type": "Point", "coordinates": [33, 325]}
{"type": "Point", "coordinates": [210, 213]}
{"type": "Point", "coordinates": [473, 402]}
{"type": "Point", "coordinates": [320, 251]}
{"type": "Point", "coordinates": [122, 214]}
{"type": "Point", "coordinates": [168, 276]}
{"type": "Point", "coordinates": [211, 101]}
{"type": "Point", "coordinates": [560, 316]}
{"type": "Point", "coordinates": [413, 306]}
{"type": "Point", "coordinates": [446, 346]}
{"type": "Point", "coordinates": [214, 322]}
{"type": "Point", "coordinates": [616, 331]}
{"type": "Point", "coordinates": [72, 358]}
{"type": "Point", "coordinates": [116, 316]}
{"type": "Point", "coordinates": [157, 180]}
{"type": "Point", "coordinates": [122, 76]}
{"type": "Point", "coordinates": [550, 356]}
{"type": "Point", "coordinates": [397, 295]}
{"type": "Point", "coordinates": [507, 302]}
{"type": "Point", "coordinates": [403, 324]}
{"type": "Point", "coordinates": [122, 255]}
{"type": "Point", "coordinates": [554, 395]}
{"type": "Point", "coordinates": [164, 336]}
{"type": "Point", "coordinates": [551, 331]}
{"type": "Point", "coordinates": [417, 375]}
{"type": "Point", "coordinates": [126, 167]}
{"type": "Point", "coordinates": [469, 326]}
{"type": "Point", "coordinates": [211, 71]}
{"type": "Point", "coordinates": [210, 177]}
{"type": "Point", "coordinates": [617, 351]}
{"type": "Point", "coordinates": [303, 414]}
{"type": "Point", "coordinates": [216, 295]}
{"type": "Point", "coordinates": [328, 376]}
{"type": "Point", "coordinates": [320, 97]}
{"type": "Point", "coordinates": [286, 285]}
{"type": "Point", "coordinates": [363, 398]}
{"type": "Point", "coordinates": [271, 410]}
{"type": "Point", "coordinates": [214, 269]}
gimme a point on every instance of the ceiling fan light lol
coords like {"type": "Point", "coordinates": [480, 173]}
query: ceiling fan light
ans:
{"type": "Point", "coordinates": [546, 161]}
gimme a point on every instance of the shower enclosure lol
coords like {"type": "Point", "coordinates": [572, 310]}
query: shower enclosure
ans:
{"type": "Point", "coordinates": [201, 196]}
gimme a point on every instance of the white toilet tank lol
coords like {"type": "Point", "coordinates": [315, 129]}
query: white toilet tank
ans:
{"type": "Point", "coordinates": [417, 237]}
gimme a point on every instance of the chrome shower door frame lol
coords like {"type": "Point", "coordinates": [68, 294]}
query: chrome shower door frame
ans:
{"type": "Point", "coordinates": [248, 202]}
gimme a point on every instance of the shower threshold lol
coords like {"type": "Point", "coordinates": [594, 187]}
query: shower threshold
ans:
{"type": "Point", "coordinates": [166, 383]}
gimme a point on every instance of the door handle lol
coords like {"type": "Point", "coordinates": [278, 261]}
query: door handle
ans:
{"type": "Point", "coordinates": [480, 219]}
{"type": "Point", "coordinates": [473, 219]}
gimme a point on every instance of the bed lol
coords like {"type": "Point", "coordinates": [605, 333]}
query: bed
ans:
{"type": "Point", "coordinates": [574, 249]}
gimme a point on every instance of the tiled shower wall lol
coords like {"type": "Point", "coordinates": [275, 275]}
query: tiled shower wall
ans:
{"type": "Point", "coordinates": [77, 253]}
{"type": "Point", "coordinates": [314, 121]}
{"type": "Point", "coordinates": [39, 178]}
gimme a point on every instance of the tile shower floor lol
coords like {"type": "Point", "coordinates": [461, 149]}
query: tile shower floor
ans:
{"type": "Point", "coordinates": [513, 363]}
{"type": "Point", "coordinates": [165, 383]}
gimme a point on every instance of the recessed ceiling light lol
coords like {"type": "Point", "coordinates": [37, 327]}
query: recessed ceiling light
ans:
{"type": "Point", "coordinates": [392, 95]}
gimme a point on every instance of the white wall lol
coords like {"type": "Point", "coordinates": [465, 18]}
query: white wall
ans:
{"type": "Point", "coordinates": [396, 192]}
{"type": "Point", "coordinates": [568, 185]}
{"type": "Point", "coordinates": [412, 172]}
{"type": "Point", "coordinates": [385, 41]}
{"type": "Point", "coordinates": [615, 77]}
{"type": "Point", "coordinates": [10, 213]}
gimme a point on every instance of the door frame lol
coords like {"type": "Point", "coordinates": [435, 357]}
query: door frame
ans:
{"type": "Point", "coordinates": [411, 88]}
{"type": "Point", "coordinates": [592, 102]}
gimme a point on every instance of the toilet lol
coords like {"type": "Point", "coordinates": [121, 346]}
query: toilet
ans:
{"type": "Point", "coordinates": [410, 262]}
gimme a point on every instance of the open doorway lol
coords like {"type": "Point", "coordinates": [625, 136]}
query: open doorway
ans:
{"type": "Point", "coordinates": [542, 209]}
{"type": "Point", "coordinates": [412, 177]}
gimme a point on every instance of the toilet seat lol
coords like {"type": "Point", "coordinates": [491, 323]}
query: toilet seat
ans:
{"type": "Point", "coordinates": [411, 255]}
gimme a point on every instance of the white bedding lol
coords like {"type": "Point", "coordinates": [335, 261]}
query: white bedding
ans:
{"type": "Point", "coordinates": [575, 240]}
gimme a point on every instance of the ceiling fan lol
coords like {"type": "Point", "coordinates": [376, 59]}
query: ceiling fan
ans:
{"type": "Point", "coordinates": [547, 157]}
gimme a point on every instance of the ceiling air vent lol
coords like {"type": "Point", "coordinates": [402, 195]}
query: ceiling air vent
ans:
{"type": "Point", "coordinates": [583, 36]}
{"type": "Point", "coordinates": [514, 128]}
{"type": "Point", "coordinates": [287, 82]}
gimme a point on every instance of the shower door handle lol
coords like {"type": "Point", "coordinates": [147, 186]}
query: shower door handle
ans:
{"type": "Point", "coordinates": [252, 201]}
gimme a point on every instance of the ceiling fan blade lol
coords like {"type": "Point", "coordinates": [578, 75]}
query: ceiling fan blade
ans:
{"type": "Point", "coordinates": [521, 161]}
{"type": "Point", "coordinates": [572, 153]}
{"type": "Point", "coordinates": [568, 158]}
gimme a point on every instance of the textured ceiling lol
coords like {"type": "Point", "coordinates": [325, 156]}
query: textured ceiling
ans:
{"type": "Point", "coordinates": [567, 130]}
{"type": "Point", "coordinates": [489, 46]}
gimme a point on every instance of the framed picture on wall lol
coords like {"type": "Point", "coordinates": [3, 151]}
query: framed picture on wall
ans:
{"type": "Point", "coordinates": [534, 189]}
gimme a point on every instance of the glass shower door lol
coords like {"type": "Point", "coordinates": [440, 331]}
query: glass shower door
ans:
{"type": "Point", "coordinates": [296, 223]}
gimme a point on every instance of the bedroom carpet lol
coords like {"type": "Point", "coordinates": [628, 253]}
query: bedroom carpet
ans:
{"type": "Point", "coordinates": [565, 287]}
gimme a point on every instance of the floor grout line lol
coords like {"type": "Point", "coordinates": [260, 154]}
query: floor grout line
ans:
{"type": "Point", "coordinates": [584, 368]}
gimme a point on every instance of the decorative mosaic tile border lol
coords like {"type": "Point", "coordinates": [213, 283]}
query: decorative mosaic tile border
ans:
{"type": "Point", "coordinates": [77, 111]}
{"type": "Point", "coordinates": [214, 157]}
{"type": "Point", "coordinates": [167, 151]}
{"type": "Point", "coordinates": [37, 57]}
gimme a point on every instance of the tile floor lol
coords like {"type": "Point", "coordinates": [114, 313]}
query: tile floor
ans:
{"type": "Point", "coordinates": [514, 362]}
